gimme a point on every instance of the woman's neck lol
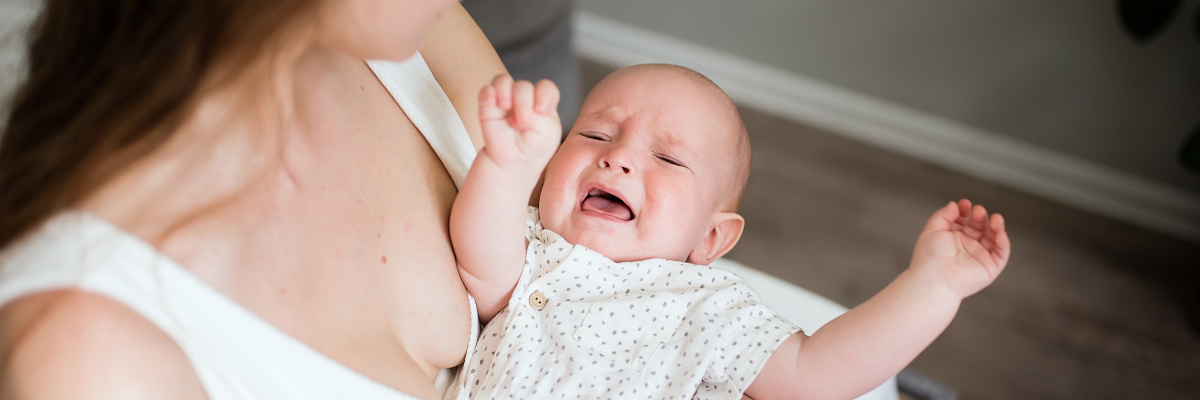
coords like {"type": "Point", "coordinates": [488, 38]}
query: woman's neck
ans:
{"type": "Point", "coordinates": [235, 137]}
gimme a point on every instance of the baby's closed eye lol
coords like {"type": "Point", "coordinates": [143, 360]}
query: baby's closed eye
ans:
{"type": "Point", "coordinates": [670, 160]}
{"type": "Point", "coordinates": [594, 135]}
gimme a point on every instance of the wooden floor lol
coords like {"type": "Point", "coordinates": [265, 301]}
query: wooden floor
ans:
{"type": "Point", "coordinates": [1088, 308]}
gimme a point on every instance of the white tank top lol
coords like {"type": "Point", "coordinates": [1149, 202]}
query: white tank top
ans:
{"type": "Point", "coordinates": [235, 354]}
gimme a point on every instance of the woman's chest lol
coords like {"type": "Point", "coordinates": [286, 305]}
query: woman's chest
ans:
{"type": "Point", "coordinates": [376, 253]}
{"type": "Point", "coordinates": [347, 249]}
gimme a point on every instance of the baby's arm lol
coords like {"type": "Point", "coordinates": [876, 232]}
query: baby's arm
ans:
{"type": "Point", "coordinates": [960, 252]}
{"type": "Point", "coordinates": [521, 131]}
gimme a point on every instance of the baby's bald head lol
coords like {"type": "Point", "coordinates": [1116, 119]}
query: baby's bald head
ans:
{"type": "Point", "coordinates": [653, 168]}
{"type": "Point", "coordinates": [736, 148]}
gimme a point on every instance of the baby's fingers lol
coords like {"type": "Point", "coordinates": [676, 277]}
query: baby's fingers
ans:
{"type": "Point", "coordinates": [495, 99]}
{"type": "Point", "coordinates": [487, 102]}
{"type": "Point", "coordinates": [503, 85]}
{"type": "Point", "coordinates": [943, 218]}
{"type": "Point", "coordinates": [974, 224]}
{"type": "Point", "coordinates": [964, 207]}
{"type": "Point", "coordinates": [522, 106]}
{"type": "Point", "coordinates": [996, 240]}
{"type": "Point", "coordinates": [547, 97]}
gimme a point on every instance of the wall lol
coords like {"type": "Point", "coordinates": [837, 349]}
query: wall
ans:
{"type": "Point", "coordinates": [1080, 112]}
{"type": "Point", "coordinates": [15, 16]}
{"type": "Point", "coordinates": [1058, 78]}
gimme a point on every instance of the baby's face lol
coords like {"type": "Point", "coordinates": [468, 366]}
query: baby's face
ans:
{"type": "Point", "coordinates": [646, 167]}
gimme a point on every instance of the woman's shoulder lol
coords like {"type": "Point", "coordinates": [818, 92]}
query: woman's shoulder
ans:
{"type": "Point", "coordinates": [77, 344]}
{"type": "Point", "coordinates": [463, 61]}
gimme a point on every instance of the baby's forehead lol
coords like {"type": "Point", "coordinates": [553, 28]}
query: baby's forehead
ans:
{"type": "Point", "coordinates": [663, 75]}
{"type": "Point", "coordinates": [723, 135]}
{"type": "Point", "coordinates": [693, 93]}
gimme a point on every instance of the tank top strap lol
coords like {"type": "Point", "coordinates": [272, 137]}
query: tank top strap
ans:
{"type": "Point", "coordinates": [416, 91]}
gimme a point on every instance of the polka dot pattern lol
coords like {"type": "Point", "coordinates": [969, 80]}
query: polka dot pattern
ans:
{"type": "Point", "coordinates": [650, 329]}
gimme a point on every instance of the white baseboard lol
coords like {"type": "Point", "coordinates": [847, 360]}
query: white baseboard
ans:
{"type": "Point", "coordinates": [972, 151]}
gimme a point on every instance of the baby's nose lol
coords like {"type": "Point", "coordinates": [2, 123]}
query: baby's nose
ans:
{"type": "Point", "coordinates": [604, 163]}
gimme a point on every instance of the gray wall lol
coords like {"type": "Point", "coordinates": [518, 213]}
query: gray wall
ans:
{"type": "Point", "coordinates": [15, 17]}
{"type": "Point", "coordinates": [1061, 75]}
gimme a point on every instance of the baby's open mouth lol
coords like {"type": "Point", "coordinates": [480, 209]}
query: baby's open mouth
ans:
{"type": "Point", "coordinates": [605, 203]}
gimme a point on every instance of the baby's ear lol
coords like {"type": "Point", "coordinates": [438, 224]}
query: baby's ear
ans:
{"type": "Point", "coordinates": [722, 235]}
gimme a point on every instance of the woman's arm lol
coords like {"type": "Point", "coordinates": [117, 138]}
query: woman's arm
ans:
{"type": "Point", "coordinates": [463, 62]}
{"type": "Point", "coordinates": [77, 345]}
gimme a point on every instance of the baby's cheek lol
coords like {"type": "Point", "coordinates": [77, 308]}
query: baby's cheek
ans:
{"type": "Point", "coordinates": [553, 213]}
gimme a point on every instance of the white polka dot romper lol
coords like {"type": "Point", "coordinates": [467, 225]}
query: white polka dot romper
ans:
{"type": "Point", "coordinates": [580, 326]}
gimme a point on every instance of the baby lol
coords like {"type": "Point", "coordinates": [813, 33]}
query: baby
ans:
{"type": "Point", "coordinates": [603, 292]}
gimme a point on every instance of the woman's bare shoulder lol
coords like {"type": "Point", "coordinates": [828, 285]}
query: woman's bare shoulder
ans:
{"type": "Point", "coordinates": [462, 61]}
{"type": "Point", "coordinates": [75, 344]}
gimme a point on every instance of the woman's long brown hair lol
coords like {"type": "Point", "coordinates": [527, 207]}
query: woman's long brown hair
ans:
{"type": "Point", "coordinates": [108, 83]}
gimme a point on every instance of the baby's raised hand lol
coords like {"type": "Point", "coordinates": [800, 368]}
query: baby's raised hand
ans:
{"type": "Point", "coordinates": [964, 247]}
{"type": "Point", "coordinates": [521, 129]}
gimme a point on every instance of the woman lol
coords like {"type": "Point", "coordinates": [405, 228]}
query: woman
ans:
{"type": "Point", "coordinates": [221, 199]}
